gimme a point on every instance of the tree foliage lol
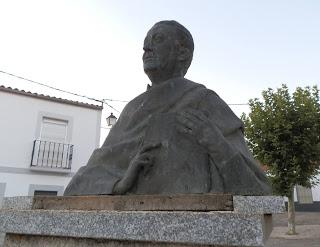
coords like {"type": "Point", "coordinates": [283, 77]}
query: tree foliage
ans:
{"type": "Point", "coordinates": [283, 132]}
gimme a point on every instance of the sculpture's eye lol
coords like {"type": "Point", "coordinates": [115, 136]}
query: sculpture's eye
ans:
{"type": "Point", "coordinates": [158, 38]}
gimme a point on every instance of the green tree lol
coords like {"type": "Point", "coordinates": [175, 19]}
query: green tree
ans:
{"type": "Point", "coordinates": [283, 132]}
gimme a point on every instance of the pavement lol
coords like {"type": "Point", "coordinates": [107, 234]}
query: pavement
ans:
{"type": "Point", "coordinates": [307, 227]}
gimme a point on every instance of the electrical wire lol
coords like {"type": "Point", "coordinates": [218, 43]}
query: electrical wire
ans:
{"type": "Point", "coordinates": [103, 101]}
{"type": "Point", "coordinates": [60, 90]}
{"type": "Point", "coordinates": [54, 88]}
{"type": "Point", "coordinates": [117, 100]}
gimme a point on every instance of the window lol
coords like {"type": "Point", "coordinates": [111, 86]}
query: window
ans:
{"type": "Point", "coordinates": [304, 195]}
{"type": "Point", "coordinates": [52, 149]}
{"type": "Point", "coordinates": [54, 130]}
{"type": "Point", "coordinates": [45, 193]}
{"type": "Point", "coordinates": [45, 190]}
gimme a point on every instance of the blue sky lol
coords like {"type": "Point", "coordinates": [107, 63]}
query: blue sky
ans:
{"type": "Point", "coordinates": [94, 47]}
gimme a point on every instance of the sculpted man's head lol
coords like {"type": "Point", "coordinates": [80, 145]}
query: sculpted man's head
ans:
{"type": "Point", "coordinates": [168, 50]}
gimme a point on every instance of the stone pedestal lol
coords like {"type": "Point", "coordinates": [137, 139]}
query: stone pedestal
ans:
{"type": "Point", "coordinates": [185, 220]}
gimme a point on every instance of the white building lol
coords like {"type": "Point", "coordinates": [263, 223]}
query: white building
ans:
{"type": "Point", "coordinates": [307, 199]}
{"type": "Point", "coordinates": [43, 141]}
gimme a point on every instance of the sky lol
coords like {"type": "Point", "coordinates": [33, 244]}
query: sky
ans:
{"type": "Point", "coordinates": [94, 47]}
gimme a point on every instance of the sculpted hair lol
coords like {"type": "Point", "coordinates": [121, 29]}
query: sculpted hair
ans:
{"type": "Point", "coordinates": [185, 39]}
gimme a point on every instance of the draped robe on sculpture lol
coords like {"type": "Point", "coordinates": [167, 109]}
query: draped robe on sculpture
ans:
{"type": "Point", "coordinates": [181, 164]}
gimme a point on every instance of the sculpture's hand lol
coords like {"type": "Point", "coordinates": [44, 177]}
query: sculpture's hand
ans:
{"type": "Point", "coordinates": [198, 125]}
{"type": "Point", "coordinates": [143, 160]}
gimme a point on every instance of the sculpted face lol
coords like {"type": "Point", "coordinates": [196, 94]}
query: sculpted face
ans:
{"type": "Point", "coordinates": [160, 53]}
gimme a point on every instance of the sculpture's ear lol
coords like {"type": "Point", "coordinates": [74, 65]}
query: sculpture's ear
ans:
{"type": "Point", "coordinates": [184, 53]}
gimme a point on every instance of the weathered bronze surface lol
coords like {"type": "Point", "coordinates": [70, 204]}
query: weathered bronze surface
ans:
{"type": "Point", "coordinates": [178, 137]}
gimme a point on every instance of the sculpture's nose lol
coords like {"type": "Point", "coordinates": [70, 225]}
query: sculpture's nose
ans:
{"type": "Point", "coordinates": [147, 48]}
{"type": "Point", "coordinates": [147, 45]}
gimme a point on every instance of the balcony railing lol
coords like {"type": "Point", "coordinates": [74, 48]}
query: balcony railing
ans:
{"type": "Point", "coordinates": [49, 154]}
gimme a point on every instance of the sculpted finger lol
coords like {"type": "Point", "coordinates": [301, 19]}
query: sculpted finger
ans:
{"type": "Point", "coordinates": [189, 115]}
{"type": "Point", "coordinates": [197, 115]}
{"type": "Point", "coordinates": [145, 157]}
{"type": "Point", "coordinates": [149, 147]}
{"type": "Point", "coordinates": [196, 118]}
{"type": "Point", "coordinates": [183, 129]}
{"type": "Point", "coordinates": [185, 121]}
{"type": "Point", "coordinates": [142, 164]}
{"type": "Point", "coordinates": [145, 163]}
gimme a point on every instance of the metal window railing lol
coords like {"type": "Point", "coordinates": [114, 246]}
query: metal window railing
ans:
{"type": "Point", "coordinates": [49, 154]}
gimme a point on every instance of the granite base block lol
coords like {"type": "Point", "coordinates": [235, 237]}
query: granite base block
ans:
{"type": "Point", "coordinates": [14, 240]}
{"type": "Point", "coordinates": [31, 227]}
{"type": "Point", "coordinates": [258, 204]}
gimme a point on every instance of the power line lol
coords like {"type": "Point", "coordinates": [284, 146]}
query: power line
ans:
{"type": "Point", "coordinates": [60, 90]}
{"type": "Point", "coordinates": [84, 96]}
{"type": "Point", "coordinates": [103, 101]}
{"type": "Point", "coordinates": [54, 88]}
{"type": "Point", "coordinates": [117, 100]}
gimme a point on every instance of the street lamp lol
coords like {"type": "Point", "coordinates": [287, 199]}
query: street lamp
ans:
{"type": "Point", "coordinates": [111, 120]}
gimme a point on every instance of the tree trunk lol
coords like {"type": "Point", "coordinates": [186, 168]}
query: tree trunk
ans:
{"type": "Point", "coordinates": [291, 214]}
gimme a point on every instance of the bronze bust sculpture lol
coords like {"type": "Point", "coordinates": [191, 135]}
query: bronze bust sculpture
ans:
{"type": "Point", "coordinates": [177, 137]}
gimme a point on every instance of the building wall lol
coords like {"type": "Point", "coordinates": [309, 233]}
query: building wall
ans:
{"type": "Point", "coordinates": [316, 192]}
{"type": "Point", "coordinates": [20, 184]}
{"type": "Point", "coordinates": [313, 205]}
{"type": "Point", "coordinates": [19, 127]}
